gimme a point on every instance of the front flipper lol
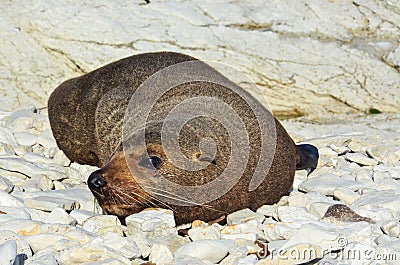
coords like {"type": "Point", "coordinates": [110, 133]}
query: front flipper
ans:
{"type": "Point", "coordinates": [306, 157]}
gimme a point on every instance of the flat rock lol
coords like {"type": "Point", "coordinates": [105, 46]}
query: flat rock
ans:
{"type": "Point", "coordinates": [16, 212]}
{"type": "Point", "coordinates": [346, 195]}
{"type": "Point", "coordinates": [103, 224]}
{"type": "Point", "coordinates": [7, 137]}
{"type": "Point", "coordinates": [81, 215]}
{"type": "Point", "coordinates": [49, 241]}
{"type": "Point", "coordinates": [310, 36]}
{"type": "Point", "coordinates": [15, 163]}
{"type": "Point", "coordinates": [294, 214]}
{"type": "Point", "coordinates": [25, 138]}
{"type": "Point", "coordinates": [9, 200]}
{"type": "Point", "coordinates": [8, 251]}
{"type": "Point", "coordinates": [60, 216]}
{"type": "Point", "coordinates": [160, 255]}
{"type": "Point", "coordinates": [88, 253]}
{"type": "Point", "coordinates": [211, 250]}
{"type": "Point", "coordinates": [245, 216]}
{"type": "Point", "coordinates": [361, 159]}
{"type": "Point", "coordinates": [327, 183]}
{"type": "Point", "coordinates": [50, 203]}
{"type": "Point", "coordinates": [151, 222]}
{"type": "Point", "coordinates": [6, 185]}
{"type": "Point", "coordinates": [205, 232]}
{"type": "Point", "coordinates": [127, 247]}
{"type": "Point", "coordinates": [384, 154]}
{"type": "Point", "coordinates": [21, 242]}
{"type": "Point", "coordinates": [379, 199]}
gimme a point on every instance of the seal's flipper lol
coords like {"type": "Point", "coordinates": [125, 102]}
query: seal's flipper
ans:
{"type": "Point", "coordinates": [306, 157]}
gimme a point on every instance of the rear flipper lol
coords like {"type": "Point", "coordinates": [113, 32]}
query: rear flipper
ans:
{"type": "Point", "coordinates": [306, 157]}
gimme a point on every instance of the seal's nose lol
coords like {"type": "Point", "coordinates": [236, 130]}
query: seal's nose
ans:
{"type": "Point", "coordinates": [96, 180]}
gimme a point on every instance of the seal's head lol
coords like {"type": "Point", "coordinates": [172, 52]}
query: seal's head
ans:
{"type": "Point", "coordinates": [137, 177]}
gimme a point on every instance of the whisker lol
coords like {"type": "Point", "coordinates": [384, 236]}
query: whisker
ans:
{"type": "Point", "coordinates": [191, 202]}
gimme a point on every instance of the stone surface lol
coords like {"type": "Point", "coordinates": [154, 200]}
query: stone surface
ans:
{"type": "Point", "coordinates": [313, 55]}
{"type": "Point", "coordinates": [8, 251]}
{"type": "Point", "coordinates": [103, 224]}
{"type": "Point", "coordinates": [160, 254]}
{"type": "Point", "coordinates": [151, 222]}
{"type": "Point", "coordinates": [361, 159]}
{"type": "Point", "coordinates": [205, 232]}
{"type": "Point", "coordinates": [212, 250]}
{"type": "Point", "coordinates": [118, 243]}
{"type": "Point", "coordinates": [327, 183]}
{"type": "Point", "coordinates": [50, 203]}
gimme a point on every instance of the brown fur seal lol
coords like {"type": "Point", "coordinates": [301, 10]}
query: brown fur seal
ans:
{"type": "Point", "coordinates": [87, 114]}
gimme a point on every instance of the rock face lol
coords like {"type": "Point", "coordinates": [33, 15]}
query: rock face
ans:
{"type": "Point", "coordinates": [298, 53]}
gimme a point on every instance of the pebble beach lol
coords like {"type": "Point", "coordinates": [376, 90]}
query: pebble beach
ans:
{"type": "Point", "coordinates": [329, 70]}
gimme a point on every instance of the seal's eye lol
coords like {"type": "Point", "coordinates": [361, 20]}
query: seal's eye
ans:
{"type": "Point", "coordinates": [151, 162]}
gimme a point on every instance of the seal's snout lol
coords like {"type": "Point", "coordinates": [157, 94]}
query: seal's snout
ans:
{"type": "Point", "coordinates": [96, 181]}
{"type": "Point", "coordinates": [306, 157]}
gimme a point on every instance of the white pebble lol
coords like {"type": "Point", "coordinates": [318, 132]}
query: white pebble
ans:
{"type": "Point", "coordinates": [268, 210]}
{"type": "Point", "coordinates": [340, 150]}
{"type": "Point", "coordinates": [142, 243]}
{"type": "Point", "coordinates": [362, 174]}
{"type": "Point", "coordinates": [379, 199]}
{"type": "Point", "coordinates": [103, 224]}
{"type": "Point", "coordinates": [89, 253]}
{"type": "Point", "coordinates": [151, 222]}
{"type": "Point", "coordinates": [45, 258]}
{"type": "Point", "coordinates": [25, 138]}
{"type": "Point", "coordinates": [294, 214]}
{"type": "Point", "coordinates": [346, 195]}
{"type": "Point", "coordinates": [318, 209]}
{"type": "Point", "coordinates": [49, 203]}
{"type": "Point", "coordinates": [16, 212]}
{"type": "Point", "coordinates": [61, 159]}
{"type": "Point", "coordinates": [14, 163]}
{"type": "Point", "coordinates": [205, 232]}
{"type": "Point", "coordinates": [160, 254]}
{"type": "Point", "coordinates": [316, 235]}
{"type": "Point", "coordinates": [37, 159]}
{"type": "Point", "coordinates": [6, 149]}
{"type": "Point", "coordinates": [22, 244]}
{"type": "Point", "coordinates": [46, 241]}
{"type": "Point", "coordinates": [361, 159]}
{"type": "Point", "coordinates": [9, 200]}
{"type": "Point", "coordinates": [81, 215]}
{"type": "Point", "coordinates": [127, 247]}
{"type": "Point", "coordinates": [249, 260]}
{"type": "Point", "coordinates": [7, 136]}
{"type": "Point", "coordinates": [46, 139]}
{"type": "Point", "coordinates": [383, 154]}
{"type": "Point", "coordinates": [212, 250]}
{"type": "Point", "coordinates": [6, 185]}
{"type": "Point", "coordinates": [244, 216]}
{"type": "Point", "coordinates": [8, 251]}
{"type": "Point", "coordinates": [327, 183]}
{"type": "Point", "coordinates": [60, 216]}
{"type": "Point", "coordinates": [392, 228]}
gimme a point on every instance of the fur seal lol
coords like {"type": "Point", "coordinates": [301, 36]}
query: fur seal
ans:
{"type": "Point", "coordinates": [87, 116]}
